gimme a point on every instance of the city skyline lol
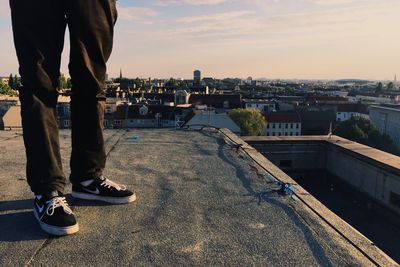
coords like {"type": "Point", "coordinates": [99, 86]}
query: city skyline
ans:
{"type": "Point", "coordinates": [287, 39]}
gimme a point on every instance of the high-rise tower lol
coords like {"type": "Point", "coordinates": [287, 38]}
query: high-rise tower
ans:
{"type": "Point", "coordinates": [197, 76]}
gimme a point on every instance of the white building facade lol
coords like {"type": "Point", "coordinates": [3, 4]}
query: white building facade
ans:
{"type": "Point", "coordinates": [283, 124]}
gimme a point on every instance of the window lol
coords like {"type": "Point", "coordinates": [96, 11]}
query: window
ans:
{"type": "Point", "coordinates": [67, 110]}
{"type": "Point", "coordinates": [273, 126]}
{"type": "Point", "coordinates": [273, 134]}
{"type": "Point", "coordinates": [267, 126]}
{"type": "Point", "coordinates": [267, 134]}
{"type": "Point", "coordinates": [297, 125]}
{"type": "Point", "coordinates": [291, 126]}
{"type": "Point", "coordinates": [297, 134]}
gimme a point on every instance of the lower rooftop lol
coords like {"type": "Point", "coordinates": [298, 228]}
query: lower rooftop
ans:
{"type": "Point", "coordinates": [201, 201]}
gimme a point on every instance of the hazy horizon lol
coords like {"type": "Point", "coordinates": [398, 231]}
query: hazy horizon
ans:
{"type": "Point", "coordinates": [275, 39]}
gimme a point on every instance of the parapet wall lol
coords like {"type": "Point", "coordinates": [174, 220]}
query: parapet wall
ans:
{"type": "Point", "coordinates": [369, 170]}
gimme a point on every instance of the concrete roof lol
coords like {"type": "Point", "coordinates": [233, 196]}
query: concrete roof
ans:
{"type": "Point", "coordinates": [201, 201]}
{"type": "Point", "coordinates": [214, 120]}
{"type": "Point", "coordinates": [282, 117]}
{"type": "Point", "coordinates": [385, 108]}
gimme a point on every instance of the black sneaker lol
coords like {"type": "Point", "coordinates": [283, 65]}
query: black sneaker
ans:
{"type": "Point", "coordinates": [104, 190]}
{"type": "Point", "coordinates": [54, 215]}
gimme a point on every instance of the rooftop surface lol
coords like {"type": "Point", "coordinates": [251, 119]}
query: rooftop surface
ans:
{"type": "Point", "coordinates": [201, 201]}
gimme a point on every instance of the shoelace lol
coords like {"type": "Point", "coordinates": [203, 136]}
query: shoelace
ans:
{"type": "Point", "coordinates": [110, 184]}
{"type": "Point", "coordinates": [58, 202]}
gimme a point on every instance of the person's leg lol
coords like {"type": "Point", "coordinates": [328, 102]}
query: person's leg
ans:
{"type": "Point", "coordinates": [39, 30]}
{"type": "Point", "coordinates": [91, 26]}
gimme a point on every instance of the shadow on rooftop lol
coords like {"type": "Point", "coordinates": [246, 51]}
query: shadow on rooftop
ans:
{"type": "Point", "coordinates": [313, 243]}
{"type": "Point", "coordinates": [18, 225]}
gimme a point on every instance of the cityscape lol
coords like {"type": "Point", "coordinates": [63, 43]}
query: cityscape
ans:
{"type": "Point", "coordinates": [237, 133]}
{"type": "Point", "coordinates": [287, 107]}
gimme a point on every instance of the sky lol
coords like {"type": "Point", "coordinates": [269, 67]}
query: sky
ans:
{"type": "Point", "coordinates": [286, 39]}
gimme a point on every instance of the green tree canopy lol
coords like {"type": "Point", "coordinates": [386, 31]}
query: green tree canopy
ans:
{"type": "Point", "coordinates": [390, 86]}
{"type": "Point", "coordinates": [69, 83]}
{"type": "Point", "coordinates": [250, 121]}
{"type": "Point", "coordinates": [6, 90]}
{"type": "Point", "coordinates": [363, 131]}
{"type": "Point", "coordinates": [62, 82]}
{"type": "Point", "coordinates": [172, 83]}
{"type": "Point", "coordinates": [379, 88]}
{"type": "Point", "coordinates": [11, 81]}
{"type": "Point", "coordinates": [17, 82]}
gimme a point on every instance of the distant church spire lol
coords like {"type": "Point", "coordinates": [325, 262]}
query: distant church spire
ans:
{"type": "Point", "coordinates": [395, 78]}
{"type": "Point", "coordinates": [120, 73]}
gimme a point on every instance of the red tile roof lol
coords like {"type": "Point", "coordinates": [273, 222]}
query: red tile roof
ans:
{"type": "Point", "coordinates": [356, 107]}
{"type": "Point", "coordinates": [279, 117]}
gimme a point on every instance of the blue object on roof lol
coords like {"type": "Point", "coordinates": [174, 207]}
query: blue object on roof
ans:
{"type": "Point", "coordinates": [133, 138]}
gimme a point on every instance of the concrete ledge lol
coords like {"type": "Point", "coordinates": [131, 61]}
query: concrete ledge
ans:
{"type": "Point", "coordinates": [388, 161]}
{"type": "Point", "coordinates": [331, 220]}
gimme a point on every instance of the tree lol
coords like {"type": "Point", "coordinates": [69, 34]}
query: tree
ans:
{"type": "Point", "coordinates": [69, 83]}
{"type": "Point", "coordinates": [17, 82]}
{"type": "Point", "coordinates": [353, 132]}
{"type": "Point", "coordinates": [138, 82]}
{"type": "Point", "coordinates": [379, 88]}
{"type": "Point", "coordinates": [6, 90]}
{"type": "Point", "coordinates": [250, 121]}
{"type": "Point", "coordinates": [390, 86]}
{"type": "Point", "coordinates": [172, 83]}
{"type": "Point", "coordinates": [363, 131]}
{"type": "Point", "coordinates": [11, 81]}
{"type": "Point", "coordinates": [62, 82]}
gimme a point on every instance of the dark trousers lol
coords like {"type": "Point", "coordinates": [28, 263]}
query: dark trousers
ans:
{"type": "Point", "coordinates": [39, 28]}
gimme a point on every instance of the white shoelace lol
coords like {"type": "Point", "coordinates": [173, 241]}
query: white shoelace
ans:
{"type": "Point", "coordinates": [58, 202]}
{"type": "Point", "coordinates": [108, 183]}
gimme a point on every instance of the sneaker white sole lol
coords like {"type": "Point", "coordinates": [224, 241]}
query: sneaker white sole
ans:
{"type": "Point", "coordinates": [112, 200]}
{"type": "Point", "coordinates": [56, 230]}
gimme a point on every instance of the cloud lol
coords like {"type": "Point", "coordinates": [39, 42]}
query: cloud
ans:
{"type": "Point", "coordinates": [319, 24]}
{"type": "Point", "coordinates": [189, 2]}
{"type": "Point", "coordinates": [4, 9]}
{"type": "Point", "coordinates": [138, 14]}
{"type": "Point", "coordinates": [339, 2]}
{"type": "Point", "coordinates": [224, 16]}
